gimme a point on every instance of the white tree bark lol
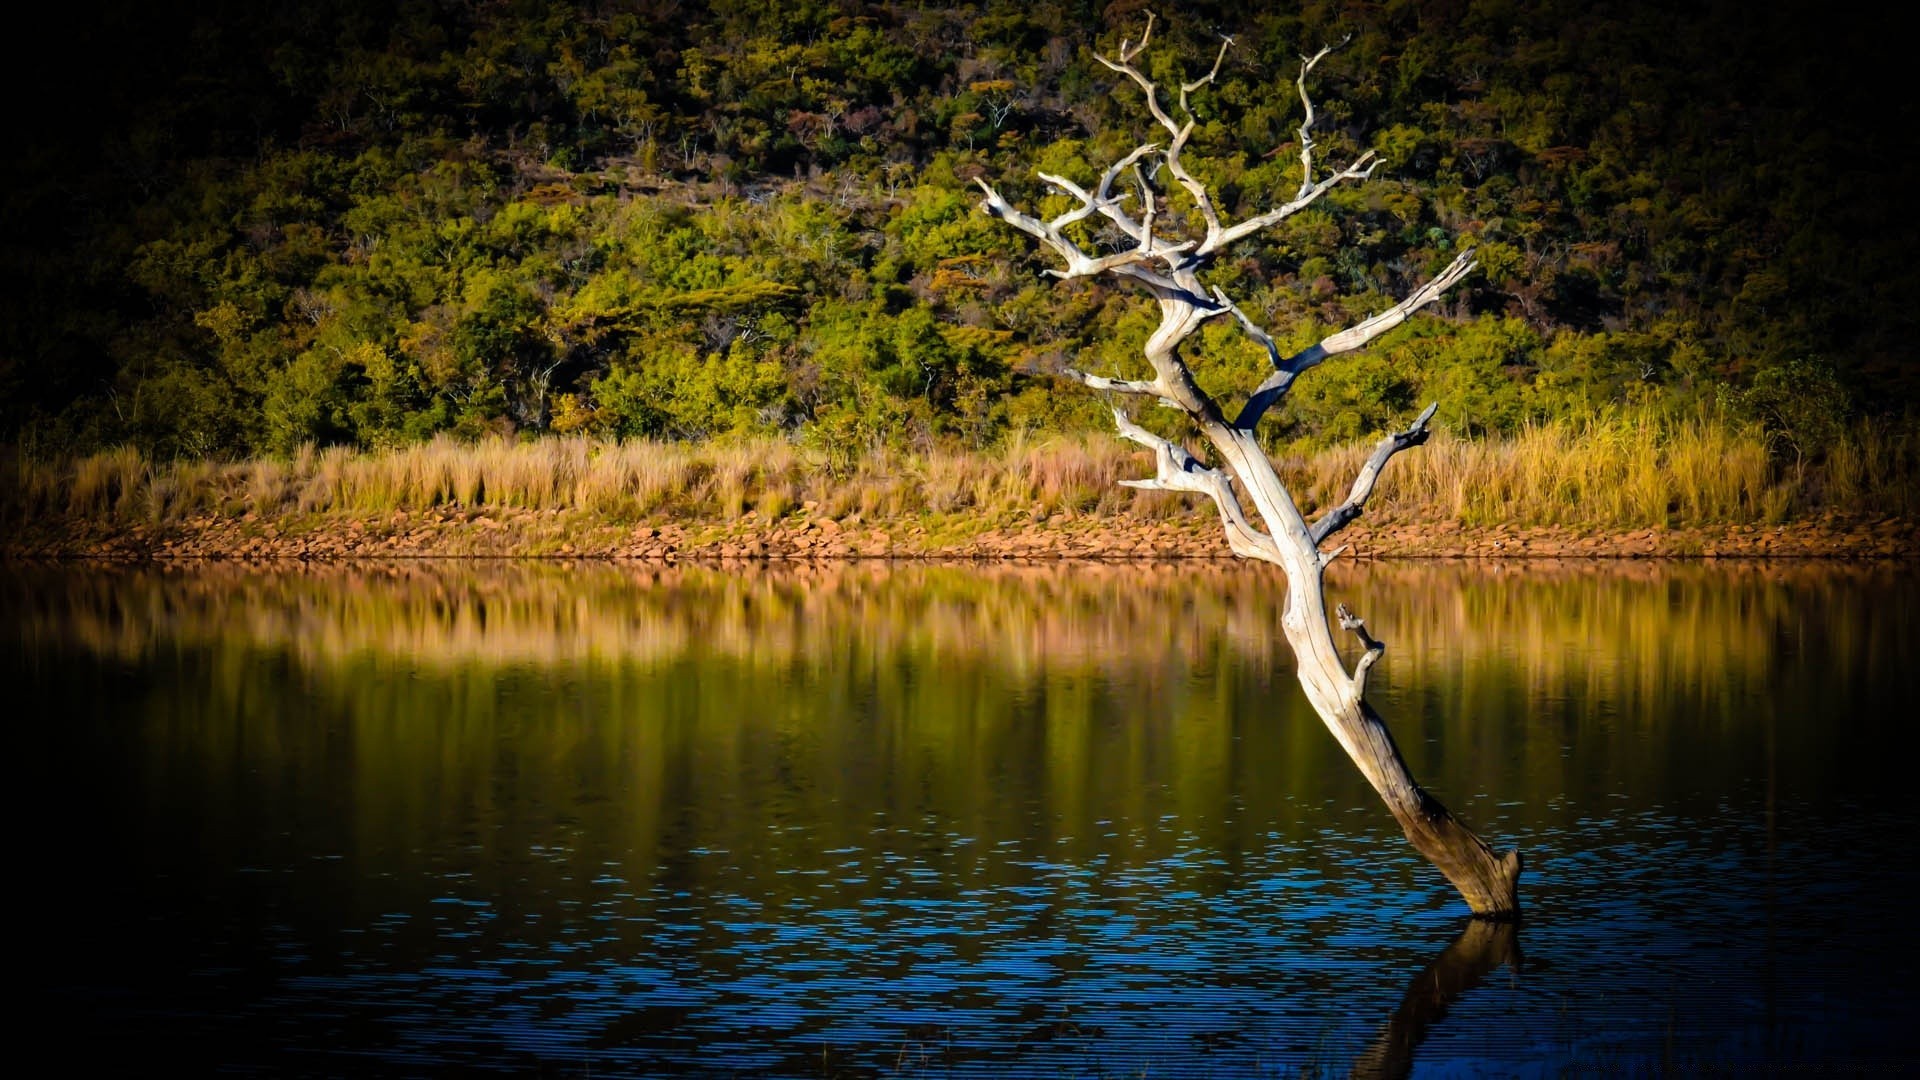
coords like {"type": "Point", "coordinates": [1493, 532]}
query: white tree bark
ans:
{"type": "Point", "coordinates": [1167, 269]}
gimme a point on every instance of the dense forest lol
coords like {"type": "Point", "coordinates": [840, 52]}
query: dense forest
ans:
{"type": "Point", "coordinates": [237, 228]}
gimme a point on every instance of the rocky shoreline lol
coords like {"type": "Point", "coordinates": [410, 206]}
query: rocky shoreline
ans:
{"type": "Point", "coordinates": [497, 532]}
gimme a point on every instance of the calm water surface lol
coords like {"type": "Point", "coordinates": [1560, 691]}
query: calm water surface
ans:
{"type": "Point", "coordinates": [860, 820]}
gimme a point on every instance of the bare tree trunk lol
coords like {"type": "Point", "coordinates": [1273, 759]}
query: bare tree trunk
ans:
{"type": "Point", "coordinates": [1168, 271]}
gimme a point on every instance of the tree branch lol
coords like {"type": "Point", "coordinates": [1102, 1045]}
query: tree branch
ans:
{"type": "Point", "coordinates": [1253, 329]}
{"type": "Point", "coordinates": [1146, 388]}
{"type": "Point", "coordinates": [1373, 646]}
{"type": "Point", "coordinates": [1361, 169]}
{"type": "Point", "coordinates": [1360, 333]}
{"type": "Point", "coordinates": [996, 206]}
{"type": "Point", "coordinates": [1226, 42]}
{"type": "Point", "coordinates": [1080, 213]}
{"type": "Point", "coordinates": [1276, 385]}
{"type": "Point", "coordinates": [1177, 470]}
{"type": "Point", "coordinates": [1109, 204]}
{"type": "Point", "coordinates": [1337, 518]}
{"type": "Point", "coordinates": [1202, 199]}
{"type": "Point", "coordinates": [1307, 64]}
{"type": "Point", "coordinates": [1102, 199]}
{"type": "Point", "coordinates": [1127, 54]}
{"type": "Point", "coordinates": [1079, 263]}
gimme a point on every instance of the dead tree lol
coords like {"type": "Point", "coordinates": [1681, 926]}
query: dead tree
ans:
{"type": "Point", "coordinates": [1154, 257]}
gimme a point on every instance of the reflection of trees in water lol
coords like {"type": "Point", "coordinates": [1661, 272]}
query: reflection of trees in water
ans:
{"type": "Point", "coordinates": [1479, 950]}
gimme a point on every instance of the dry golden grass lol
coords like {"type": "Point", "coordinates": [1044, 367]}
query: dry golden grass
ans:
{"type": "Point", "coordinates": [1604, 472]}
{"type": "Point", "coordinates": [1613, 472]}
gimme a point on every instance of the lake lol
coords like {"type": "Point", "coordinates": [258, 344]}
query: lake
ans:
{"type": "Point", "coordinates": [870, 819]}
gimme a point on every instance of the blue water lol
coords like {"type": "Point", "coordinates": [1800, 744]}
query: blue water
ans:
{"type": "Point", "coordinates": [946, 821]}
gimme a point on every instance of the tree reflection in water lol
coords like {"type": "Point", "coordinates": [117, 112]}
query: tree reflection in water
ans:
{"type": "Point", "coordinates": [1480, 949]}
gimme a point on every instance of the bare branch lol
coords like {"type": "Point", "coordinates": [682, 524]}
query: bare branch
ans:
{"type": "Point", "coordinates": [1079, 263]}
{"type": "Point", "coordinates": [996, 206]}
{"type": "Point", "coordinates": [1127, 54]}
{"type": "Point", "coordinates": [1109, 204]}
{"type": "Point", "coordinates": [1361, 169]}
{"type": "Point", "coordinates": [1359, 334]}
{"type": "Point", "coordinates": [1373, 646]}
{"type": "Point", "coordinates": [1337, 518]}
{"type": "Point", "coordinates": [1177, 470]}
{"type": "Point", "coordinates": [1276, 385]}
{"type": "Point", "coordinates": [1121, 386]}
{"type": "Point", "coordinates": [1202, 198]}
{"type": "Point", "coordinates": [1253, 329]}
{"type": "Point", "coordinates": [1226, 42]}
{"type": "Point", "coordinates": [1310, 189]}
{"type": "Point", "coordinates": [1218, 234]}
{"type": "Point", "coordinates": [1147, 207]}
{"type": "Point", "coordinates": [1307, 64]}
{"type": "Point", "coordinates": [1125, 67]}
{"type": "Point", "coordinates": [1119, 260]}
{"type": "Point", "coordinates": [1264, 397]}
{"type": "Point", "coordinates": [1079, 213]}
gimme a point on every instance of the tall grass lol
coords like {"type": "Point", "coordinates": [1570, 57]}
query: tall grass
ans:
{"type": "Point", "coordinates": [1609, 471]}
{"type": "Point", "coordinates": [1631, 472]}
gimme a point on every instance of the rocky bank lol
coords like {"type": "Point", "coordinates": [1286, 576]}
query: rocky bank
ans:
{"type": "Point", "coordinates": [505, 532]}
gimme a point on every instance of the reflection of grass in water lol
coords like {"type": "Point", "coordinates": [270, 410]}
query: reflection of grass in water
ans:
{"type": "Point", "coordinates": [1545, 621]}
{"type": "Point", "coordinates": [1490, 669]}
{"type": "Point", "coordinates": [1611, 470]}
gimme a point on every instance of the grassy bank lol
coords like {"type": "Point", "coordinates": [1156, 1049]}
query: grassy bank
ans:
{"type": "Point", "coordinates": [1609, 475]}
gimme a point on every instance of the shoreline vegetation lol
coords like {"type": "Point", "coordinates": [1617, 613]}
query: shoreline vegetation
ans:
{"type": "Point", "coordinates": [540, 279]}
{"type": "Point", "coordinates": [1603, 487]}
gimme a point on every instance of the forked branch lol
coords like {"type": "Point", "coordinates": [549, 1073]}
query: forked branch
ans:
{"type": "Point", "coordinates": [1132, 262]}
{"type": "Point", "coordinates": [1373, 646]}
{"type": "Point", "coordinates": [1337, 518]}
{"type": "Point", "coordinates": [1307, 64]}
{"type": "Point", "coordinates": [1053, 234]}
{"type": "Point", "coordinates": [1275, 386]}
{"type": "Point", "coordinates": [1219, 234]}
{"type": "Point", "coordinates": [1175, 469]}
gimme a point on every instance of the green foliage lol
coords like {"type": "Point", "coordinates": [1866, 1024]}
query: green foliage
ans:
{"type": "Point", "coordinates": [676, 392]}
{"type": "Point", "coordinates": [1802, 402]}
{"type": "Point", "coordinates": [318, 223]}
{"type": "Point", "coordinates": [306, 403]}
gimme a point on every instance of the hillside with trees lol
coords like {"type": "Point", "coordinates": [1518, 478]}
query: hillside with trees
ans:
{"type": "Point", "coordinates": [238, 229]}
